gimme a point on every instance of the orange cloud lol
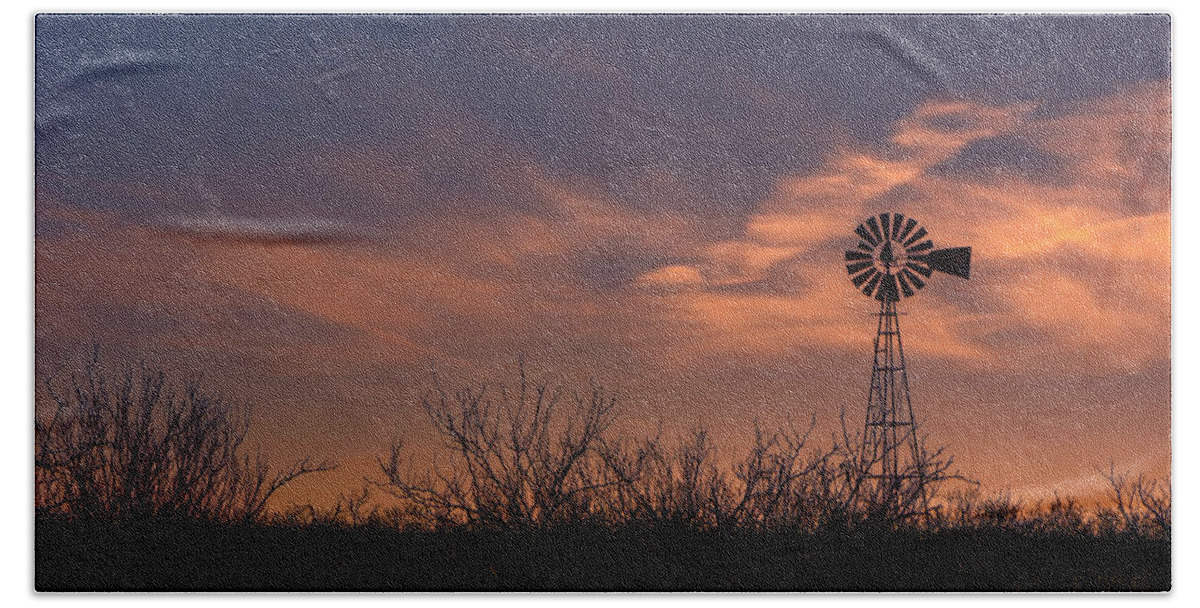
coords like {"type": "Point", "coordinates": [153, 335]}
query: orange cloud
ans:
{"type": "Point", "coordinates": [671, 276]}
{"type": "Point", "coordinates": [1014, 223]}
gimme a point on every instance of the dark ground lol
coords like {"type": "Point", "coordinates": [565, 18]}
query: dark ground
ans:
{"type": "Point", "coordinates": [193, 556]}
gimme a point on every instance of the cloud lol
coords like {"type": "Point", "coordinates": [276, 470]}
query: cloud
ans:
{"type": "Point", "coordinates": [678, 276]}
{"type": "Point", "coordinates": [1059, 256]}
{"type": "Point", "coordinates": [267, 231]}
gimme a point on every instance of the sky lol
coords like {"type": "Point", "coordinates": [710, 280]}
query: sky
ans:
{"type": "Point", "coordinates": [310, 212]}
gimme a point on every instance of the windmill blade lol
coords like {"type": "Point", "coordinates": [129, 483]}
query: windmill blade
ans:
{"type": "Point", "coordinates": [916, 280]}
{"type": "Point", "coordinates": [862, 278]}
{"type": "Point", "coordinates": [885, 221]}
{"type": "Point", "coordinates": [915, 237]}
{"type": "Point", "coordinates": [870, 288]}
{"type": "Point", "coordinates": [920, 266]}
{"type": "Point", "coordinates": [857, 267]}
{"type": "Point", "coordinates": [896, 219]}
{"type": "Point", "coordinates": [852, 255]}
{"type": "Point", "coordinates": [955, 261]}
{"type": "Point", "coordinates": [866, 236]}
{"type": "Point", "coordinates": [874, 226]}
{"type": "Point", "coordinates": [887, 290]}
{"type": "Point", "coordinates": [908, 227]}
{"type": "Point", "coordinates": [908, 291]}
{"type": "Point", "coordinates": [920, 247]}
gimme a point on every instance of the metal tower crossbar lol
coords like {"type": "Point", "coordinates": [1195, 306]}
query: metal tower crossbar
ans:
{"type": "Point", "coordinates": [890, 452]}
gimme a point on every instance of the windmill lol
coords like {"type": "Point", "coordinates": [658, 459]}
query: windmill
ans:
{"type": "Point", "coordinates": [893, 260]}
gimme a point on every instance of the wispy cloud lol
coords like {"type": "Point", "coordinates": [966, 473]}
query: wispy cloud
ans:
{"type": "Point", "coordinates": [270, 231]}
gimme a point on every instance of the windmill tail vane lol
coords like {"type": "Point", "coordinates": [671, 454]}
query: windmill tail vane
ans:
{"type": "Point", "coordinates": [894, 259]}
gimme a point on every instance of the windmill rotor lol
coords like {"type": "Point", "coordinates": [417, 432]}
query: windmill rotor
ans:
{"type": "Point", "coordinates": [895, 258]}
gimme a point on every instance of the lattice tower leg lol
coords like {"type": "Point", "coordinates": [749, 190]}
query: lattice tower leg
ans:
{"type": "Point", "coordinates": [890, 452]}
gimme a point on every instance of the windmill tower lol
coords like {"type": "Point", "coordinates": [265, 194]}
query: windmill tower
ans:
{"type": "Point", "coordinates": [893, 260]}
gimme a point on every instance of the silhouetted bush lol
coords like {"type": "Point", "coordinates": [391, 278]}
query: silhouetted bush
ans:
{"type": "Point", "coordinates": [142, 486]}
{"type": "Point", "coordinates": [126, 443]}
{"type": "Point", "coordinates": [1140, 505]}
{"type": "Point", "coordinates": [776, 484]}
{"type": "Point", "coordinates": [532, 457]}
{"type": "Point", "coordinates": [520, 457]}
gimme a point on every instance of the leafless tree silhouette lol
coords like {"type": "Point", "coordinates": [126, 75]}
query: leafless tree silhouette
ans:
{"type": "Point", "coordinates": [775, 484]}
{"type": "Point", "coordinates": [129, 444]}
{"type": "Point", "coordinates": [1141, 505]}
{"type": "Point", "coordinates": [970, 509]}
{"type": "Point", "coordinates": [520, 457]}
{"type": "Point", "coordinates": [649, 482]}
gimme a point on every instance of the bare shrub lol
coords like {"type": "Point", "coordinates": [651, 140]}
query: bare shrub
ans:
{"type": "Point", "coordinates": [534, 456]}
{"type": "Point", "coordinates": [648, 482]}
{"type": "Point", "coordinates": [769, 489]}
{"type": "Point", "coordinates": [349, 510]}
{"type": "Point", "coordinates": [970, 509]}
{"type": "Point", "coordinates": [531, 457]}
{"type": "Point", "coordinates": [1140, 505]}
{"type": "Point", "coordinates": [1061, 514]}
{"type": "Point", "coordinates": [519, 458]}
{"type": "Point", "coordinates": [129, 444]}
{"type": "Point", "coordinates": [774, 485]}
{"type": "Point", "coordinates": [1155, 499]}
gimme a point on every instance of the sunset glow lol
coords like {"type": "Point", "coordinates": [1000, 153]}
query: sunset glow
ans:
{"type": "Point", "coordinates": [639, 202]}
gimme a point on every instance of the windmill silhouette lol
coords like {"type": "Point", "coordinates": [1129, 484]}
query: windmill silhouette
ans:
{"type": "Point", "coordinates": [893, 260]}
